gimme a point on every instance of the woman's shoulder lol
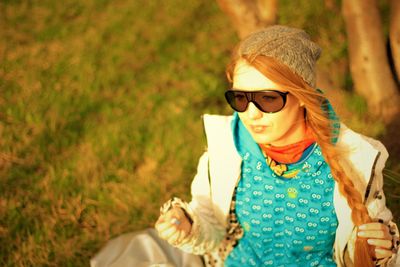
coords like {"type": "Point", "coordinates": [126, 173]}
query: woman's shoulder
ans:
{"type": "Point", "coordinates": [362, 154]}
{"type": "Point", "coordinates": [355, 142]}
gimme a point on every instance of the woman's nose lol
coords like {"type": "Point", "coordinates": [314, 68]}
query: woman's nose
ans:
{"type": "Point", "coordinates": [253, 112]}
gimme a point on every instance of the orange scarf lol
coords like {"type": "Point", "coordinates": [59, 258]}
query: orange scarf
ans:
{"type": "Point", "coordinates": [289, 153]}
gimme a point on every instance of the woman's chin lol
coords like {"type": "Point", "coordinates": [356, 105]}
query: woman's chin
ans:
{"type": "Point", "coordinates": [261, 138]}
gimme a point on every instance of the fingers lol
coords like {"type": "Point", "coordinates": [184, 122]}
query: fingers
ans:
{"type": "Point", "coordinates": [374, 234]}
{"type": "Point", "coordinates": [373, 226]}
{"type": "Point", "coordinates": [166, 227]}
{"type": "Point", "coordinates": [170, 216]}
{"type": "Point", "coordinates": [374, 231]}
{"type": "Point", "coordinates": [381, 243]}
{"type": "Point", "coordinates": [175, 238]}
{"type": "Point", "coordinates": [377, 235]}
{"type": "Point", "coordinates": [382, 253]}
{"type": "Point", "coordinates": [170, 233]}
{"type": "Point", "coordinates": [174, 235]}
{"type": "Point", "coordinates": [173, 226]}
{"type": "Point", "coordinates": [166, 230]}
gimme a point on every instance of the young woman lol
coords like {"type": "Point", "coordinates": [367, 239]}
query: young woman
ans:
{"type": "Point", "coordinates": [283, 182]}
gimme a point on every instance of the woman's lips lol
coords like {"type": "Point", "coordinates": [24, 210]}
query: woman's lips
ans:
{"type": "Point", "coordinates": [258, 128]}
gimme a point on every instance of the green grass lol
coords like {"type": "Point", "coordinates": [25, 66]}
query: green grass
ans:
{"type": "Point", "coordinates": [100, 105]}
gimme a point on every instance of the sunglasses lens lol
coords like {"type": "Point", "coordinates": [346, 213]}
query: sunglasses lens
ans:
{"type": "Point", "coordinates": [237, 100]}
{"type": "Point", "coordinates": [266, 101]}
{"type": "Point", "coordinates": [270, 101]}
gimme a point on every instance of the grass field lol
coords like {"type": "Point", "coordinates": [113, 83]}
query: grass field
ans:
{"type": "Point", "coordinates": [100, 105]}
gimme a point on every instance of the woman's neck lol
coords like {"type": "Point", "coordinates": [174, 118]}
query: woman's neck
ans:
{"type": "Point", "coordinates": [298, 132]}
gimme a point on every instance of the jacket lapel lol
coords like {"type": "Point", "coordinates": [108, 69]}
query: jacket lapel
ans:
{"type": "Point", "coordinates": [224, 165]}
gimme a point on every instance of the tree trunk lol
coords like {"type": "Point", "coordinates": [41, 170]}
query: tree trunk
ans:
{"type": "Point", "coordinates": [394, 34]}
{"type": "Point", "coordinates": [330, 4]}
{"type": "Point", "coordinates": [268, 10]}
{"type": "Point", "coordinates": [369, 64]}
{"type": "Point", "coordinates": [248, 16]}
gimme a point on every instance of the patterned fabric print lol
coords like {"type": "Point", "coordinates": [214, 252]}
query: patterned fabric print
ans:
{"type": "Point", "coordinates": [283, 170]}
{"type": "Point", "coordinates": [233, 234]}
{"type": "Point", "coordinates": [286, 222]}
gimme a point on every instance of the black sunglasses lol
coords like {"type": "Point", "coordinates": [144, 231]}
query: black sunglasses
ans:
{"type": "Point", "coordinates": [269, 101]}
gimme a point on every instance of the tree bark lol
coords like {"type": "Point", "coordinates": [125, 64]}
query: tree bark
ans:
{"type": "Point", "coordinates": [268, 10]}
{"type": "Point", "coordinates": [394, 34]}
{"type": "Point", "coordinates": [369, 64]}
{"type": "Point", "coordinates": [330, 4]}
{"type": "Point", "coordinates": [248, 16]}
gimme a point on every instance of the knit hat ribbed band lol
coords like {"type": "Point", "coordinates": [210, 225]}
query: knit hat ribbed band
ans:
{"type": "Point", "coordinates": [290, 46]}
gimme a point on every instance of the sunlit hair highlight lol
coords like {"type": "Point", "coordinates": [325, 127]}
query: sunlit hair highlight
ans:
{"type": "Point", "coordinates": [318, 119]}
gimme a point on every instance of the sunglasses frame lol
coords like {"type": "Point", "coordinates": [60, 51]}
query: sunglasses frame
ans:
{"type": "Point", "coordinates": [250, 97]}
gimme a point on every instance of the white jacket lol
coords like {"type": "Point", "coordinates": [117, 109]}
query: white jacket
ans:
{"type": "Point", "coordinates": [219, 169]}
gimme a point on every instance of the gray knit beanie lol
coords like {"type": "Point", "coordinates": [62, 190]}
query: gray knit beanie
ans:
{"type": "Point", "coordinates": [289, 46]}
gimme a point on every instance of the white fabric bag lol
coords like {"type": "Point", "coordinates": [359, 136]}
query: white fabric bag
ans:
{"type": "Point", "coordinates": [143, 249]}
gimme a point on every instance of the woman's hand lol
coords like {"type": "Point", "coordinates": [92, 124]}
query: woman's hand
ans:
{"type": "Point", "coordinates": [173, 226]}
{"type": "Point", "coordinates": [377, 235]}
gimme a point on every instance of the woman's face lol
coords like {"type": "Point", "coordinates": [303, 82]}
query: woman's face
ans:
{"type": "Point", "coordinates": [284, 127]}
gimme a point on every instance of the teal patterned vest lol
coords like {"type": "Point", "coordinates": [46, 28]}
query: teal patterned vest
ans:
{"type": "Point", "coordinates": [286, 222]}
